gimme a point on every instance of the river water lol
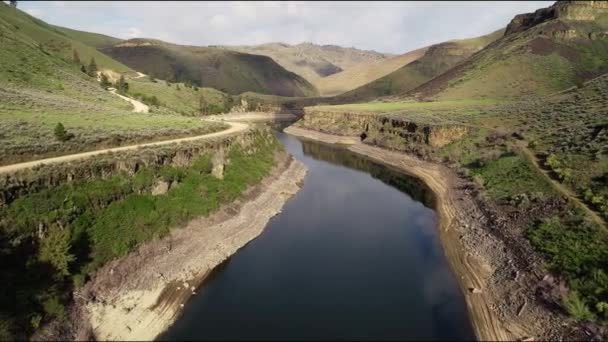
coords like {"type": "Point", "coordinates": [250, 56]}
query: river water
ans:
{"type": "Point", "coordinates": [355, 255]}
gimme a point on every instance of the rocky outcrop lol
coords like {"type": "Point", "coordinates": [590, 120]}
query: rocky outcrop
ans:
{"type": "Point", "coordinates": [127, 162]}
{"type": "Point", "coordinates": [566, 10]}
{"type": "Point", "coordinates": [390, 132]}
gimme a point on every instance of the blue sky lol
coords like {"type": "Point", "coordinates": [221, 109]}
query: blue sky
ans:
{"type": "Point", "coordinates": [394, 27]}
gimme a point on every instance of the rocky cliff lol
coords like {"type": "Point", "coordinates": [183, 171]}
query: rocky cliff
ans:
{"type": "Point", "coordinates": [128, 162]}
{"type": "Point", "coordinates": [386, 131]}
{"type": "Point", "coordinates": [566, 10]}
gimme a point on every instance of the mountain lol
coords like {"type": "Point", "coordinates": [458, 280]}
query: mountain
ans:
{"type": "Point", "coordinates": [312, 61]}
{"type": "Point", "coordinates": [436, 59]}
{"type": "Point", "coordinates": [364, 73]}
{"type": "Point", "coordinates": [229, 71]}
{"type": "Point", "coordinates": [540, 53]}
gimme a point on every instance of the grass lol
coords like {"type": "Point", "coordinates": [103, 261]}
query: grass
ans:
{"type": "Point", "coordinates": [92, 222]}
{"type": "Point", "coordinates": [383, 107]}
{"type": "Point", "coordinates": [182, 99]}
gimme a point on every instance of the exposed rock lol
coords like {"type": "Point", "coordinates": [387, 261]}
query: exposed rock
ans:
{"type": "Point", "coordinates": [219, 160]}
{"type": "Point", "coordinates": [566, 10]}
{"type": "Point", "coordinates": [160, 188]}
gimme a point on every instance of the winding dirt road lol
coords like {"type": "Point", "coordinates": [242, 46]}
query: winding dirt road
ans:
{"type": "Point", "coordinates": [235, 127]}
{"type": "Point", "coordinates": [138, 107]}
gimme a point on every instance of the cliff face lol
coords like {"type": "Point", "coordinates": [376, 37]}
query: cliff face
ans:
{"type": "Point", "coordinates": [566, 10]}
{"type": "Point", "coordinates": [18, 184]}
{"type": "Point", "coordinates": [389, 132]}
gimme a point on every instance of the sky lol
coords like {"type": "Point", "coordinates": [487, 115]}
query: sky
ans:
{"type": "Point", "coordinates": [392, 27]}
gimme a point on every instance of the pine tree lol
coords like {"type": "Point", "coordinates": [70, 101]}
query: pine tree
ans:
{"type": "Point", "coordinates": [55, 249]}
{"type": "Point", "coordinates": [83, 69]}
{"type": "Point", "coordinates": [122, 86]}
{"type": "Point", "coordinates": [14, 3]}
{"type": "Point", "coordinates": [61, 134]}
{"type": "Point", "coordinates": [92, 68]}
{"type": "Point", "coordinates": [76, 57]}
{"type": "Point", "coordinates": [105, 83]}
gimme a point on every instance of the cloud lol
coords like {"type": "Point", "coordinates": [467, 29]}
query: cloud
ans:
{"type": "Point", "coordinates": [133, 32]}
{"type": "Point", "coordinates": [384, 26]}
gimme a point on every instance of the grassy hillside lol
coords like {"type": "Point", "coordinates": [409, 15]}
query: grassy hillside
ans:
{"type": "Point", "coordinates": [96, 40]}
{"type": "Point", "coordinates": [559, 50]}
{"type": "Point", "coordinates": [228, 71]}
{"type": "Point", "coordinates": [311, 61]}
{"type": "Point", "coordinates": [436, 60]}
{"type": "Point", "coordinates": [41, 86]}
{"type": "Point", "coordinates": [365, 73]}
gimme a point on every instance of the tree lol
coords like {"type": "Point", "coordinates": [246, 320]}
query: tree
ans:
{"type": "Point", "coordinates": [105, 83]}
{"type": "Point", "coordinates": [122, 86]}
{"type": "Point", "coordinates": [83, 69]}
{"type": "Point", "coordinates": [55, 249]}
{"type": "Point", "coordinates": [202, 105]}
{"type": "Point", "coordinates": [14, 3]}
{"type": "Point", "coordinates": [76, 57]}
{"type": "Point", "coordinates": [61, 134]}
{"type": "Point", "coordinates": [92, 68]}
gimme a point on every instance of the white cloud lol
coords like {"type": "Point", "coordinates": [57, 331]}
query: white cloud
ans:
{"type": "Point", "coordinates": [384, 26]}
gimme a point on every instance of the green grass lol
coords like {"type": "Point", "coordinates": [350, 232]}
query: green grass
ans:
{"type": "Point", "coordinates": [96, 40]}
{"type": "Point", "coordinates": [383, 107]}
{"type": "Point", "coordinates": [186, 100]}
{"type": "Point", "coordinates": [510, 175]}
{"type": "Point", "coordinates": [99, 220]}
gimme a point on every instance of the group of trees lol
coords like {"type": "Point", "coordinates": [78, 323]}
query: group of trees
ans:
{"type": "Point", "coordinates": [91, 70]}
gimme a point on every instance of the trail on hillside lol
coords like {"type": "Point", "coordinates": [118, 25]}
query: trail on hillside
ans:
{"type": "Point", "coordinates": [559, 187]}
{"type": "Point", "coordinates": [235, 127]}
{"type": "Point", "coordinates": [138, 107]}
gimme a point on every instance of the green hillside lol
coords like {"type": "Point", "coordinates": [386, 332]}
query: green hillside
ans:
{"type": "Point", "coordinates": [436, 60]}
{"type": "Point", "coordinates": [96, 40]}
{"type": "Point", "coordinates": [41, 86]}
{"type": "Point", "coordinates": [541, 53]}
{"type": "Point", "coordinates": [229, 71]}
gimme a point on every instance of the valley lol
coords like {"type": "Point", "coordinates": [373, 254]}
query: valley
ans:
{"type": "Point", "coordinates": [152, 189]}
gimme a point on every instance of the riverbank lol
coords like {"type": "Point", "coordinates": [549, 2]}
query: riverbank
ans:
{"type": "Point", "coordinates": [492, 284]}
{"type": "Point", "coordinates": [138, 297]}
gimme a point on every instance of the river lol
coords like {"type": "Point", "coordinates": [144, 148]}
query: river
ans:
{"type": "Point", "coordinates": [355, 255]}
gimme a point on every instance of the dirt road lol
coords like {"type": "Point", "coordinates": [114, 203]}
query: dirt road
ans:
{"type": "Point", "coordinates": [235, 127]}
{"type": "Point", "coordinates": [559, 187]}
{"type": "Point", "coordinates": [138, 107]}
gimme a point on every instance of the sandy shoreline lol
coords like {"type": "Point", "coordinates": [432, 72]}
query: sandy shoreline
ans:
{"type": "Point", "coordinates": [472, 268]}
{"type": "Point", "coordinates": [139, 296]}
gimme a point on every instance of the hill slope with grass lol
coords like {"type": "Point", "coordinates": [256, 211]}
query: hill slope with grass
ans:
{"type": "Point", "coordinates": [436, 60]}
{"type": "Point", "coordinates": [543, 52]}
{"type": "Point", "coordinates": [311, 61]}
{"type": "Point", "coordinates": [362, 74]}
{"type": "Point", "coordinates": [42, 86]}
{"type": "Point", "coordinates": [228, 71]}
{"type": "Point", "coordinates": [96, 40]}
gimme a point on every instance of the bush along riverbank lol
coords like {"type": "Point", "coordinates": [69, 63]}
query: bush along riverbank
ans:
{"type": "Point", "coordinates": [52, 240]}
{"type": "Point", "coordinates": [553, 281]}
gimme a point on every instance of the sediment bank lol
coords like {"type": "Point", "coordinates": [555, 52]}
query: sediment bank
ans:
{"type": "Point", "coordinates": [138, 296]}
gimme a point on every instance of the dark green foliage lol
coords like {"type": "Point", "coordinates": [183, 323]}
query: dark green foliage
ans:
{"type": "Point", "coordinates": [92, 69]}
{"type": "Point", "coordinates": [577, 250]}
{"type": "Point", "coordinates": [88, 223]}
{"type": "Point", "coordinates": [104, 82]}
{"type": "Point", "coordinates": [61, 134]}
{"type": "Point", "coordinates": [83, 69]}
{"type": "Point", "coordinates": [121, 85]}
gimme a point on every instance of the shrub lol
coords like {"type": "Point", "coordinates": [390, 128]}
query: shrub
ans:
{"type": "Point", "coordinates": [577, 308]}
{"type": "Point", "coordinates": [61, 134]}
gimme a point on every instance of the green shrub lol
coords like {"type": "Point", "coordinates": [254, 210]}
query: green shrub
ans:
{"type": "Point", "coordinates": [577, 308]}
{"type": "Point", "coordinates": [61, 134]}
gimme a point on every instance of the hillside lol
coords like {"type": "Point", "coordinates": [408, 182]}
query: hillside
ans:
{"type": "Point", "coordinates": [96, 40]}
{"type": "Point", "coordinates": [228, 71]}
{"type": "Point", "coordinates": [362, 74]}
{"type": "Point", "coordinates": [436, 60]}
{"type": "Point", "coordinates": [541, 53]}
{"type": "Point", "coordinates": [312, 61]}
{"type": "Point", "coordinates": [41, 85]}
